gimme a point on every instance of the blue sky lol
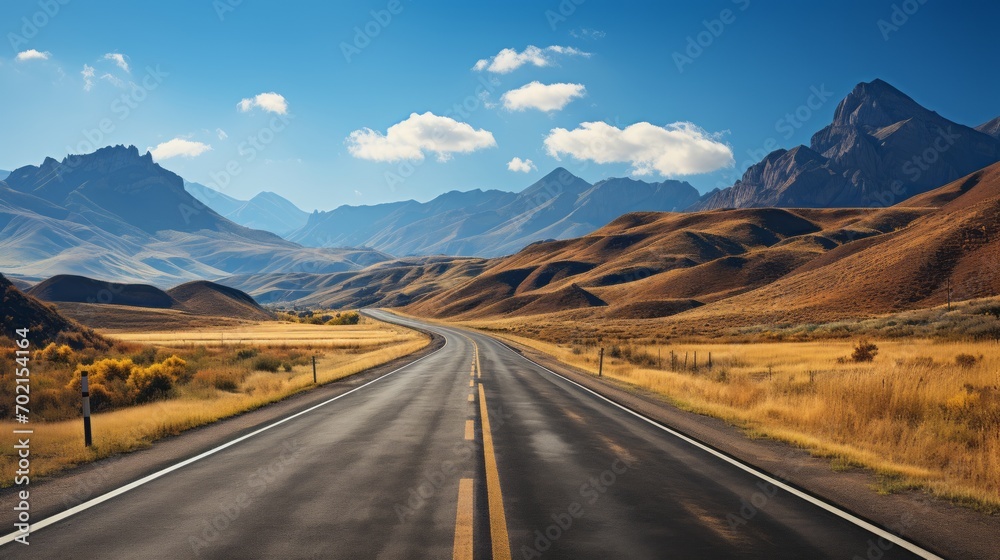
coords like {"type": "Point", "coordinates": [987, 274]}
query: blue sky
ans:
{"type": "Point", "coordinates": [617, 65]}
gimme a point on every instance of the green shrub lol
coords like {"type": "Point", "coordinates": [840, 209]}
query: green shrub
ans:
{"type": "Point", "coordinates": [967, 360]}
{"type": "Point", "coordinates": [246, 353]}
{"type": "Point", "coordinates": [267, 363]}
{"type": "Point", "coordinates": [865, 351]}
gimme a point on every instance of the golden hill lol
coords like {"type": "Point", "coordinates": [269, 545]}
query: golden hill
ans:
{"type": "Point", "coordinates": [750, 266]}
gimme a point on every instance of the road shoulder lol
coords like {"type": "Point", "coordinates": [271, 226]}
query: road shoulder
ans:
{"type": "Point", "coordinates": [947, 529]}
{"type": "Point", "coordinates": [72, 487]}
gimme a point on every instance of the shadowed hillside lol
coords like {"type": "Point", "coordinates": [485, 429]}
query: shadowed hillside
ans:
{"type": "Point", "coordinates": [20, 311]}
{"type": "Point", "coordinates": [208, 298]}
{"type": "Point", "coordinates": [389, 284]}
{"type": "Point", "coordinates": [658, 264]}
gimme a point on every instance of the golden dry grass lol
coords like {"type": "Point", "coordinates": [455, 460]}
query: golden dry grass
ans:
{"type": "Point", "coordinates": [342, 351]}
{"type": "Point", "coordinates": [914, 415]}
{"type": "Point", "coordinates": [273, 333]}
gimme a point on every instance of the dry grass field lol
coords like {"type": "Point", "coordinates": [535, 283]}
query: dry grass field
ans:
{"type": "Point", "coordinates": [226, 372]}
{"type": "Point", "coordinates": [923, 414]}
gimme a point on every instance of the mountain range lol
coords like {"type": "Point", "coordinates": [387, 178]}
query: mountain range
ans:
{"type": "Point", "coordinates": [492, 223]}
{"type": "Point", "coordinates": [267, 210]}
{"type": "Point", "coordinates": [115, 214]}
{"type": "Point", "coordinates": [881, 148]}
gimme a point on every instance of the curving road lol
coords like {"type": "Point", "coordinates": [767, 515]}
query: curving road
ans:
{"type": "Point", "coordinates": [470, 452]}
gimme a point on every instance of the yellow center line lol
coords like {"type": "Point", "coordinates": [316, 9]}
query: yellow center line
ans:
{"type": "Point", "coordinates": [472, 398]}
{"type": "Point", "coordinates": [470, 430]}
{"type": "Point", "coordinates": [463, 522]}
{"type": "Point", "coordinates": [472, 383]}
{"type": "Point", "coordinates": [498, 519]}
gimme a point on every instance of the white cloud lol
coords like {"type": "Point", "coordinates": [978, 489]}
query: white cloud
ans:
{"type": "Point", "coordinates": [88, 77]}
{"type": "Point", "coordinates": [32, 54]}
{"type": "Point", "coordinates": [681, 148]}
{"type": "Point", "coordinates": [586, 33]}
{"type": "Point", "coordinates": [221, 134]}
{"type": "Point", "coordinates": [114, 80]}
{"type": "Point", "coordinates": [536, 95]}
{"type": "Point", "coordinates": [178, 147]}
{"type": "Point", "coordinates": [118, 59]}
{"type": "Point", "coordinates": [519, 165]}
{"type": "Point", "coordinates": [508, 60]}
{"type": "Point", "coordinates": [417, 134]}
{"type": "Point", "coordinates": [273, 102]}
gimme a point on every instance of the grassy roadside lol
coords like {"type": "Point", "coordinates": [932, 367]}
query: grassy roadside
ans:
{"type": "Point", "coordinates": [922, 415]}
{"type": "Point", "coordinates": [256, 366]}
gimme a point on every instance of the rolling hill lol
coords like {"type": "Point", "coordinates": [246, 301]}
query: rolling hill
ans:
{"type": "Point", "coordinates": [101, 304]}
{"type": "Point", "coordinates": [955, 247]}
{"type": "Point", "coordinates": [19, 311]}
{"type": "Point", "coordinates": [491, 223]}
{"type": "Point", "coordinates": [389, 284]}
{"type": "Point", "coordinates": [208, 298]}
{"type": "Point", "coordinates": [699, 272]}
{"type": "Point", "coordinates": [678, 261]}
{"type": "Point", "coordinates": [117, 214]}
{"type": "Point", "coordinates": [79, 289]}
{"type": "Point", "coordinates": [881, 148]}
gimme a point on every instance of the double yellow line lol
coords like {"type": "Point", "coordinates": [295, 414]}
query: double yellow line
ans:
{"type": "Point", "coordinates": [498, 519]}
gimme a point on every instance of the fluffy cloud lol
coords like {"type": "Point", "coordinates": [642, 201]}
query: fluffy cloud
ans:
{"type": "Point", "coordinates": [273, 102]}
{"type": "Point", "coordinates": [536, 95]}
{"type": "Point", "coordinates": [417, 134]}
{"type": "Point", "coordinates": [32, 54]}
{"type": "Point", "coordinates": [680, 148]}
{"type": "Point", "coordinates": [178, 147]}
{"type": "Point", "coordinates": [118, 59]}
{"type": "Point", "coordinates": [508, 60]}
{"type": "Point", "coordinates": [88, 77]}
{"type": "Point", "coordinates": [519, 165]}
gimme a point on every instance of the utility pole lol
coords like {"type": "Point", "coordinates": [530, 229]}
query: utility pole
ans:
{"type": "Point", "coordinates": [314, 370]}
{"type": "Point", "coordinates": [600, 364]}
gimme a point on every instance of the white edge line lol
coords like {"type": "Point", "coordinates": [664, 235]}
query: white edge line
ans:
{"type": "Point", "coordinates": [149, 478]}
{"type": "Point", "coordinates": [878, 531]}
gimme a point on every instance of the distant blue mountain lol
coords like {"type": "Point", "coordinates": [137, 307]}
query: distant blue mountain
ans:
{"type": "Point", "coordinates": [492, 223]}
{"type": "Point", "coordinates": [267, 211]}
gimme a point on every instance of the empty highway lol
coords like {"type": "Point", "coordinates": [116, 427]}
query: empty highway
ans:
{"type": "Point", "coordinates": [470, 452]}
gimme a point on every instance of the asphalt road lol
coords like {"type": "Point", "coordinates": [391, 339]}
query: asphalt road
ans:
{"type": "Point", "coordinates": [444, 459]}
